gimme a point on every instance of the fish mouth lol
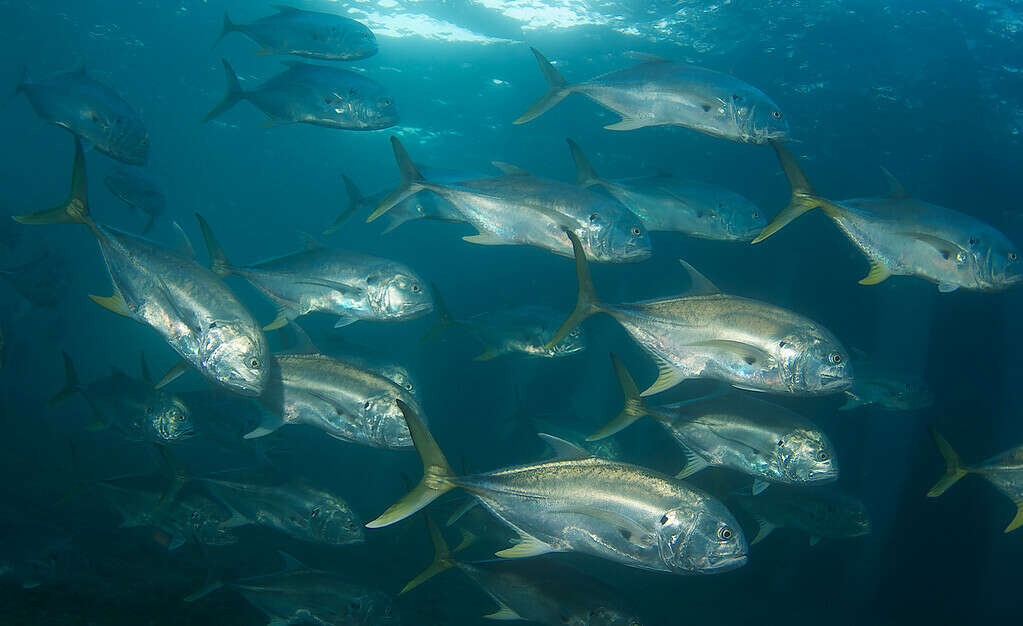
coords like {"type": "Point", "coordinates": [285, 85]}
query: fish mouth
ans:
{"type": "Point", "coordinates": [722, 564]}
{"type": "Point", "coordinates": [834, 382]}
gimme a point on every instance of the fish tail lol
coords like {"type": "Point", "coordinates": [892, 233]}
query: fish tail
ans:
{"type": "Point", "coordinates": [71, 383]}
{"type": "Point", "coordinates": [634, 408]}
{"type": "Point", "coordinates": [804, 197]}
{"type": "Point", "coordinates": [953, 466]}
{"type": "Point", "coordinates": [586, 175]}
{"type": "Point", "coordinates": [213, 580]}
{"type": "Point", "coordinates": [437, 473]}
{"type": "Point", "coordinates": [412, 181]}
{"type": "Point", "coordinates": [355, 200]}
{"type": "Point", "coordinates": [226, 28]}
{"type": "Point", "coordinates": [20, 87]}
{"type": "Point", "coordinates": [76, 208]}
{"type": "Point", "coordinates": [587, 303]}
{"type": "Point", "coordinates": [441, 557]}
{"type": "Point", "coordinates": [219, 264]}
{"type": "Point", "coordinates": [234, 95]}
{"type": "Point", "coordinates": [445, 319]}
{"type": "Point", "coordinates": [558, 88]}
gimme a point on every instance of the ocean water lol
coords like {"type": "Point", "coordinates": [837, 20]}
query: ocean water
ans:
{"type": "Point", "coordinates": [932, 91]}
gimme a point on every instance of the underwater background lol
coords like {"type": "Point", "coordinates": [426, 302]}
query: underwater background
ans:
{"type": "Point", "coordinates": [930, 90]}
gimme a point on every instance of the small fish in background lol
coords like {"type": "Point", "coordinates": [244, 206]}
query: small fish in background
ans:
{"type": "Point", "coordinates": [704, 333]}
{"type": "Point", "coordinates": [38, 554]}
{"type": "Point", "coordinates": [43, 281]}
{"type": "Point", "coordinates": [350, 285]}
{"type": "Point", "coordinates": [659, 92]}
{"type": "Point", "coordinates": [300, 595]}
{"type": "Point", "coordinates": [821, 512]}
{"type": "Point", "coordinates": [317, 95]}
{"type": "Point", "coordinates": [194, 312]}
{"type": "Point", "coordinates": [92, 111]}
{"type": "Point", "coordinates": [666, 203]}
{"type": "Point", "coordinates": [132, 407]}
{"type": "Point", "coordinates": [879, 384]}
{"type": "Point", "coordinates": [1004, 471]}
{"type": "Point", "coordinates": [733, 430]}
{"type": "Point", "coordinates": [904, 236]}
{"type": "Point", "coordinates": [521, 209]}
{"type": "Point", "coordinates": [579, 503]}
{"type": "Point", "coordinates": [537, 590]}
{"type": "Point", "coordinates": [312, 34]}
{"type": "Point", "coordinates": [136, 189]}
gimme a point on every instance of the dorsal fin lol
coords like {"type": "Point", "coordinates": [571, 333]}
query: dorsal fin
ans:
{"type": "Point", "coordinates": [510, 170]}
{"type": "Point", "coordinates": [564, 450]}
{"type": "Point", "coordinates": [183, 244]}
{"type": "Point", "coordinates": [895, 188]}
{"type": "Point", "coordinates": [699, 285]}
{"type": "Point", "coordinates": [291, 564]}
{"type": "Point", "coordinates": [294, 340]}
{"type": "Point", "coordinates": [284, 8]}
{"type": "Point", "coordinates": [310, 242]}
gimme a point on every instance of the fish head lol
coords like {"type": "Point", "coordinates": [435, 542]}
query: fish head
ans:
{"type": "Point", "coordinates": [741, 220]}
{"type": "Point", "coordinates": [757, 119]}
{"type": "Point", "coordinates": [123, 138]}
{"type": "Point", "coordinates": [400, 295]}
{"type": "Point", "coordinates": [814, 362]}
{"type": "Point", "coordinates": [573, 342]}
{"type": "Point", "coordinates": [384, 420]}
{"type": "Point", "coordinates": [906, 395]}
{"type": "Point", "coordinates": [997, 261]}
{"type": "Point", "coordinates": [701, 539]}
{"type": "Point", "coordinates": [359, 40]}
{"type": "Point", "coordinates": [170, 419]}
{"type": "Point", "coordinates": [600, 616]}
{"type": "Point", "coordinates": [334, 523]}
{"type": "Point", "coordinates": [843, 516]}
{"type": "Point", "coordinates": [401, 377]}
{"type": "Point", "coordinates": [367, 608]}
{"type": "Point", "coordinates": [615, 237]}
{"type": "Point", "coordinates": [236, 355]}
{"type": "Point", "coordinates": [806, 456]}
{"type": "Point", "coordinates": [363, 107]}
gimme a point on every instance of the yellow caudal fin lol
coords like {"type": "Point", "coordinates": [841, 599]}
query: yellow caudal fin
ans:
{"type": "Point", "coordinates": [878, 274]}
{"type": "Point", "coordinates": [587, 303]}
{"type": "Point", "coordinates": [1018, 520]}
{"type": "Point", "coordinates": [634, 407]}
{"type": "Point", "coordinates": [557, 89]}
{"type": "Point", "coordinates": [76, 208]}
{"type": "Point", "coordinates": [804, 198]}
{"type": "Point", "coordinates": [412, 182]}
{"type": "Point", "coordinates": [441, 557]}
{"type": "Point", "coordinates": [437, 473]}
{"type": "Point", "coordinates": [954, 468]}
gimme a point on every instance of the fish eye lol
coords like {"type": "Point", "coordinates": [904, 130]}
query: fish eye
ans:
{"type": "Point", "coordinates": [725, 533]}
{"type": "Point", "coordinates": [822, 456]}
{"type": "Point", "coordinates": [664, 519]}
{"type": "Point", "coordinates": [636, 232]}
{"type": "Point", "coordinates": [593, 217]}
{"type": "Point", "coordinates": [149, 410]}
{"type": "Point", "coordinates": [1013, 256]}
{"type": "Point", "coordinates": [776, 115]}
{"type": "Point", "coordinates": [834, 358]}
{"type": "Point", "coordinates": [212, 325]}
{"type": "Point", "coordinates": [253, 362]}
{"type": "Point", "coordinates": [408, 386]}
{"type": "Point", "coordinates": [315, 512]}
{"type": "Point", "coordinates": [387, 102]}
{"type": "Point", "coordinates": [781, 442]}
{"type": "Point", "coordinates": [756, 214]}
{"type": "Point", "coordinates": [367, 406]}
{"type": "Point", "coordinates": [415, 287]}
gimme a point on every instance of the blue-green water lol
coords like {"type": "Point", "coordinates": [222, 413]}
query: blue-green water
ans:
{"type": "Point", "coordinates": [930, 90]}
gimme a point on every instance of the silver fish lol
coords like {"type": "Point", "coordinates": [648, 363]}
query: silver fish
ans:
{"type": "Point", "coordinates": [660, 92]}
{"type": "Point", "coordinates": [341, 399]}
{"type": "Point", "coordinates": [821, 512]}
{"type": "Point", "coordinates": [350, 285]}
{"type": "Point", "coordinates": [92, 111]}
{"type": "Point", "coordinates": [1004, 471]}
{"type": "Point", "coordinates": [666, 203]}
{"type": "Point", "coordinates": [309, 34]}
{"type": "Point", "coordinates": [880, 385]}
{"type": "Point", "coordinates": [138, 191]}
{"type": "Point", "coordinates": [130, 406]}
{"type": "Point", "coordinates": [542, 592]}
{"type": "Point", "coordinates": [579, 503]}
{"type": "Point", "coordinates": [521, 209]}
{"type": "Point", "coordinates": [904, 236]}
{"type": "Point", "coordinates": [763, 440]}
{"type": "Point", "coordinates": [314, 94]}
{"type": "Point", "coordinates": [707, 334]}
{"type": "Point", "coordinates": [185, 303]}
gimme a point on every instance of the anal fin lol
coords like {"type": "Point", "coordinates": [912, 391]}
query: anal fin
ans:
{"type": "Point", "coordinates": [878, 274]}
{"type": "Point", "coordinates": [486, 239]}
{"type": "Point", "coordinates": [694, 463]}
{"type": "Point", "coordinates": [626, 123]}
{"type": "Point", "coordinates": [505, 613]}
{"type": "Point", "coordinates": [526, 547]}
{"type": "Point", "coordinates": [667, 377]}
{"type": "Point", "coordinates": [114, 303]}
{"type": "Point", "coordinates": [1018, 520]}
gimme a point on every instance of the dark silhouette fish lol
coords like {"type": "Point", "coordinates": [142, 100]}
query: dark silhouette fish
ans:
{"type": "Point", "coordinates": [139, 191]}
{"type": "Point", "coordinates": [314, 94]}
{"type": "Point", "coordinates": [310, 34]}
{"type": "Point", "coordinates": [92, 111]}
{"type": "Point", "coordinates": [43, 281]}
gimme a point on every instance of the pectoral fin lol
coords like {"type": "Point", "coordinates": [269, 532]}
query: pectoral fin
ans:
{"type": "Point", "coordinates": [694, 463]}
{"type": "Point", "coordinates": [505, 613]}
{"type": "Point", "coordinates": [753, 355]}
{"type": "Point", "coordinates": [764, 528]}
{"type": "Point", "coordinates": [283, 317]}
{"type": "Point", "coordinates": [947, 249]}
{"type": "Point", "coordinates": [629, 530]}
{"type": "Point", "coordinates": [526, 547]}
{"type": "Point", "coordinates": [947, 287]}
{"type": "Point", "coordinates": [878, 274]}
{"type": "Point", "coordinates": [667, 377]}
{"type": "Point", "coordinates": [626, 123]}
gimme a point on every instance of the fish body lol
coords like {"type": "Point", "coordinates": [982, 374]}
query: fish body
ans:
{"type": "Point", "coordinates": [904, 236]}
{"type": "Point", "coordinates": [821, 512]}
{"type": "Point", "coordinates": [93, 112]}
{"type": "Point", "coordinates": [341, 399]}
{"type": "Point", "coordinates": [315, 94]}
{"type": "Point", "coordinates": [523, 330]}
{"type": "Point", "coordinates": [659, 92]}
{"type": "Point", "coordinates": [310, 34]}
{"type": "Point", "coordinates": [878, 385]}
{"type": "Point", "coordinates": [139, 191]}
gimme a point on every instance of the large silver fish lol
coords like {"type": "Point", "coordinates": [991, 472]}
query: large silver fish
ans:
{"type": "Point", "coordinates": [521, 209]}
{"type": "Point", "coordinates": [707, 334]}
{"type": "Point", "coordinates": [542, 592]}
{"type": "Point", "coordinates": [660, 92]}
{"type": "Point", "coordinates": [310, 34]}
{"type": "Point", "coordinates": [92, 111]}
{"type": "Point", "coordinates": [185, 303]}
{"type": "Point", "coordinates": [579, 503]}
{"type": "Point", "coordinates": [132, 407]}
{"type": "Point", "coordinates": [666, 203]}
{"type": "Point", "coordinates": [314, 94]}
{"type": "Point", "coordinates": [821, 512]}
{"type": "Point", "coordinates": [903, 236]}
{"type": "Point", "coordinates": [341, 399]}
{"type": "Point", "coordinates": [350, 285]}
{"type": "Point", "coordinates": [763, 440]}
{"type": "Point", "coordinates": [1004, 471]}
{"type": "Point", "coordinates": [139, 191]}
